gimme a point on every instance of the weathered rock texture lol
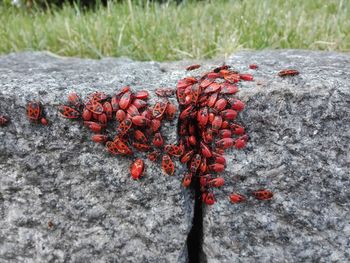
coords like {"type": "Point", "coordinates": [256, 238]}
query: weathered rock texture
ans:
{"type": "Point", "coordinates": [299, 148]}
{"type": "Point", "coordinates": [56, 174]}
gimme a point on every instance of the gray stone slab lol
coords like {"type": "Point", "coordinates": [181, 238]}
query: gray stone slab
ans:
{"type": "Point", "coordinates": [56, 174]}
{"type": "Point", "coordinates": [299, 148]}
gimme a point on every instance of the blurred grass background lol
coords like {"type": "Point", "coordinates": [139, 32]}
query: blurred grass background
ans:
{"type": "Point", "coordinates": [145, 30]}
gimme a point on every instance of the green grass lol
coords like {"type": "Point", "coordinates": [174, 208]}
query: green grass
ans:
{"type": "Point", "coordinates": [192, 30]}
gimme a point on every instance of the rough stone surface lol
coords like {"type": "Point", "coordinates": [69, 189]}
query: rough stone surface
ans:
{"type": "Point", "coordinates": [56, 174]}
{"type": "Point", "coordinates": [299, 148]}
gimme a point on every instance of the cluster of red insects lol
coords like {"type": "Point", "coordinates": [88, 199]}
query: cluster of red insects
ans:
{"type": "Point", "coordinates": [138, 125]}
{"type": "Point", "coordinates": [207, 125]}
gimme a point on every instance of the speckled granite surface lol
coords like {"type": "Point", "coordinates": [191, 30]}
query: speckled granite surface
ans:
{"type": "Point", "coordinates": [299, 148]}
{"type": "Point", "coordinates": [57, 174]}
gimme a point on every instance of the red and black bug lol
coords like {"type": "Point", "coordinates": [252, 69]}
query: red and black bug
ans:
{"type": "Point", "coordinates": [193, 67]}
{"type": "Point", "coordinates": [35, 112]}
{"type": "Point", "coordinates": [288, 72]}
{"type": "Point", "coordinates": [263, 194]}
{"type": "Point", "coordinates": [4, 120]}
{"type": "Point", "coordinates": [168, 165]}
{"type": "Point", "coordinates": [137, 169]}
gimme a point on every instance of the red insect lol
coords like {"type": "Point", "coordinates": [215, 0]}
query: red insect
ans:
{"type": "Point", "coordinates": [170, 111]}
{"type": "Point", "coordinates": [123, 90]}
{"type": "Point", "coordinates": [132, 111]}
{"type": "Point", "coordinates": [225, 133]}
{"type": "Point", "coordinates": [137, 169]}
{"type": "Point", "coordinates": [183, 83]}
{"type": "Point", "coordinates": [192, 140]}
{"type": "Point", "coordinates": [187, 156]}
{"type": "Point", "coordinates": [213, 87]}
{"type": "Point", "coordinates": [263, 194]}
{"type": "Point", "coordinates": [97, 96]}
{"type": "Point", "coordinates": [212, 99]}
{"type": "Point", "coordinates": [288, 72]}
{"type": "Point", "coordinates": [74, 99]}
{"type": "Point", "coordinates": [143, 94]}
{"type": "Point", "coordinates": [237, 198]}
{"type": "Point", "coordinates": [232, 78]}
{"type": "Point", "coordinates": [168, 165]}
{"type": "Point", "coordinates": [165, 92]}
{"type": "Point", "coordinates": [140, 121]}
{"type": "Point", "coordinates": [99, 138]}
{"type": "Point", "coordinates": [186, 112]}
{"type": "Point", "coordinates": [125, 100]}
{"type": "Point", "coordinates": [122, 147]}
{"type": "Point", "coordinates": [175, 150]}
{"type": "Point", "coordinates": [203, 168]}
{"type": "Point", "coordinates": [35, 112]}
{"type": "Point", "coordinates": [195, 163]}
{"type": "Point", "coordinates": [158, 140]}
{"type": "Point", "coordinates": [204, 179]}
{"type": "Point", "coordinates": [217, 182]}
{"type": "Point", "coordinates": [253, 66]}
{"type": "Point", "coordinates": [202, 116]}
{"type": "Point", "coordinates": [193, 67]}
{"type": "Point", "coordinates": [236, 104]}
{"type": "Point", "coordinates": [87, 115]}
{"type": "Point", "coordinates": [246, 77]}
{"type": "Point", "coordinates": [141, 147]}
{"type": "Point", "coordinates": [195, 93]}
{"type": "Point", "coordinates": [107, 107]}
{"type": "Point", "coordinates": [217, 167]}
{"type": "Point", "coordinates": [124, 126]}
{"type": "Point", "coordinates": [147, 113]}
{"type": "Point", "coordinates": [181, 96]}
{"type": "Point", "coordinates": [153, 156]}
{"type": "Point", "coordinates": [205, 150]}
{"type": "Point", "coordinates": [140, 136]}
{"type": "Point", "coordinates": [159, 109]}
{"type": "Point", "coordinates": [94, 106]}
{"type": "Point", "coordinates": [216, 124]}
{"type": "Point", "coordinates": [4, 120]}
{"type": "Point", "coordinates": [112, 148]}
{"type": "Point", "coordinates": [228, 88]}
{"type": "Point", "coordinates": [207, 136]}
{"type": "Point", "coordinates": [241, 142]}
{"type": "Point", "coordinates": [155, 125]}
{"type": "Point", "coordinates": [220, 105]}
{"type": "Point", "coordinates": [225, 143]}
{"type": "Point", "coordinates": [223, 67]}
{"type": "Point", "coordinates": [218, 158]}
{"type": "Point", "coordinates": [206, 82]}
{"type": "Point", "coordinates": [115, 103]}
{"type": "Point", "coordinates": [95, 127]}
{"type": "Point", "coordinates": [237, 129]}
{"type": "Point", "coordinates": [139, 104]}
{"type": "Point", "coordinates": [229, 114]}
{"type": "Point", "coordinates": [187, 180]}
{"type": "Point", "coordinates": [120, 115]}
{"type": "Point", "coordinates": [208, 198]}
{"type": "Point", "coordinates": [102, 118]}
{"type": "Point", "coordinates": [214, 75]}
